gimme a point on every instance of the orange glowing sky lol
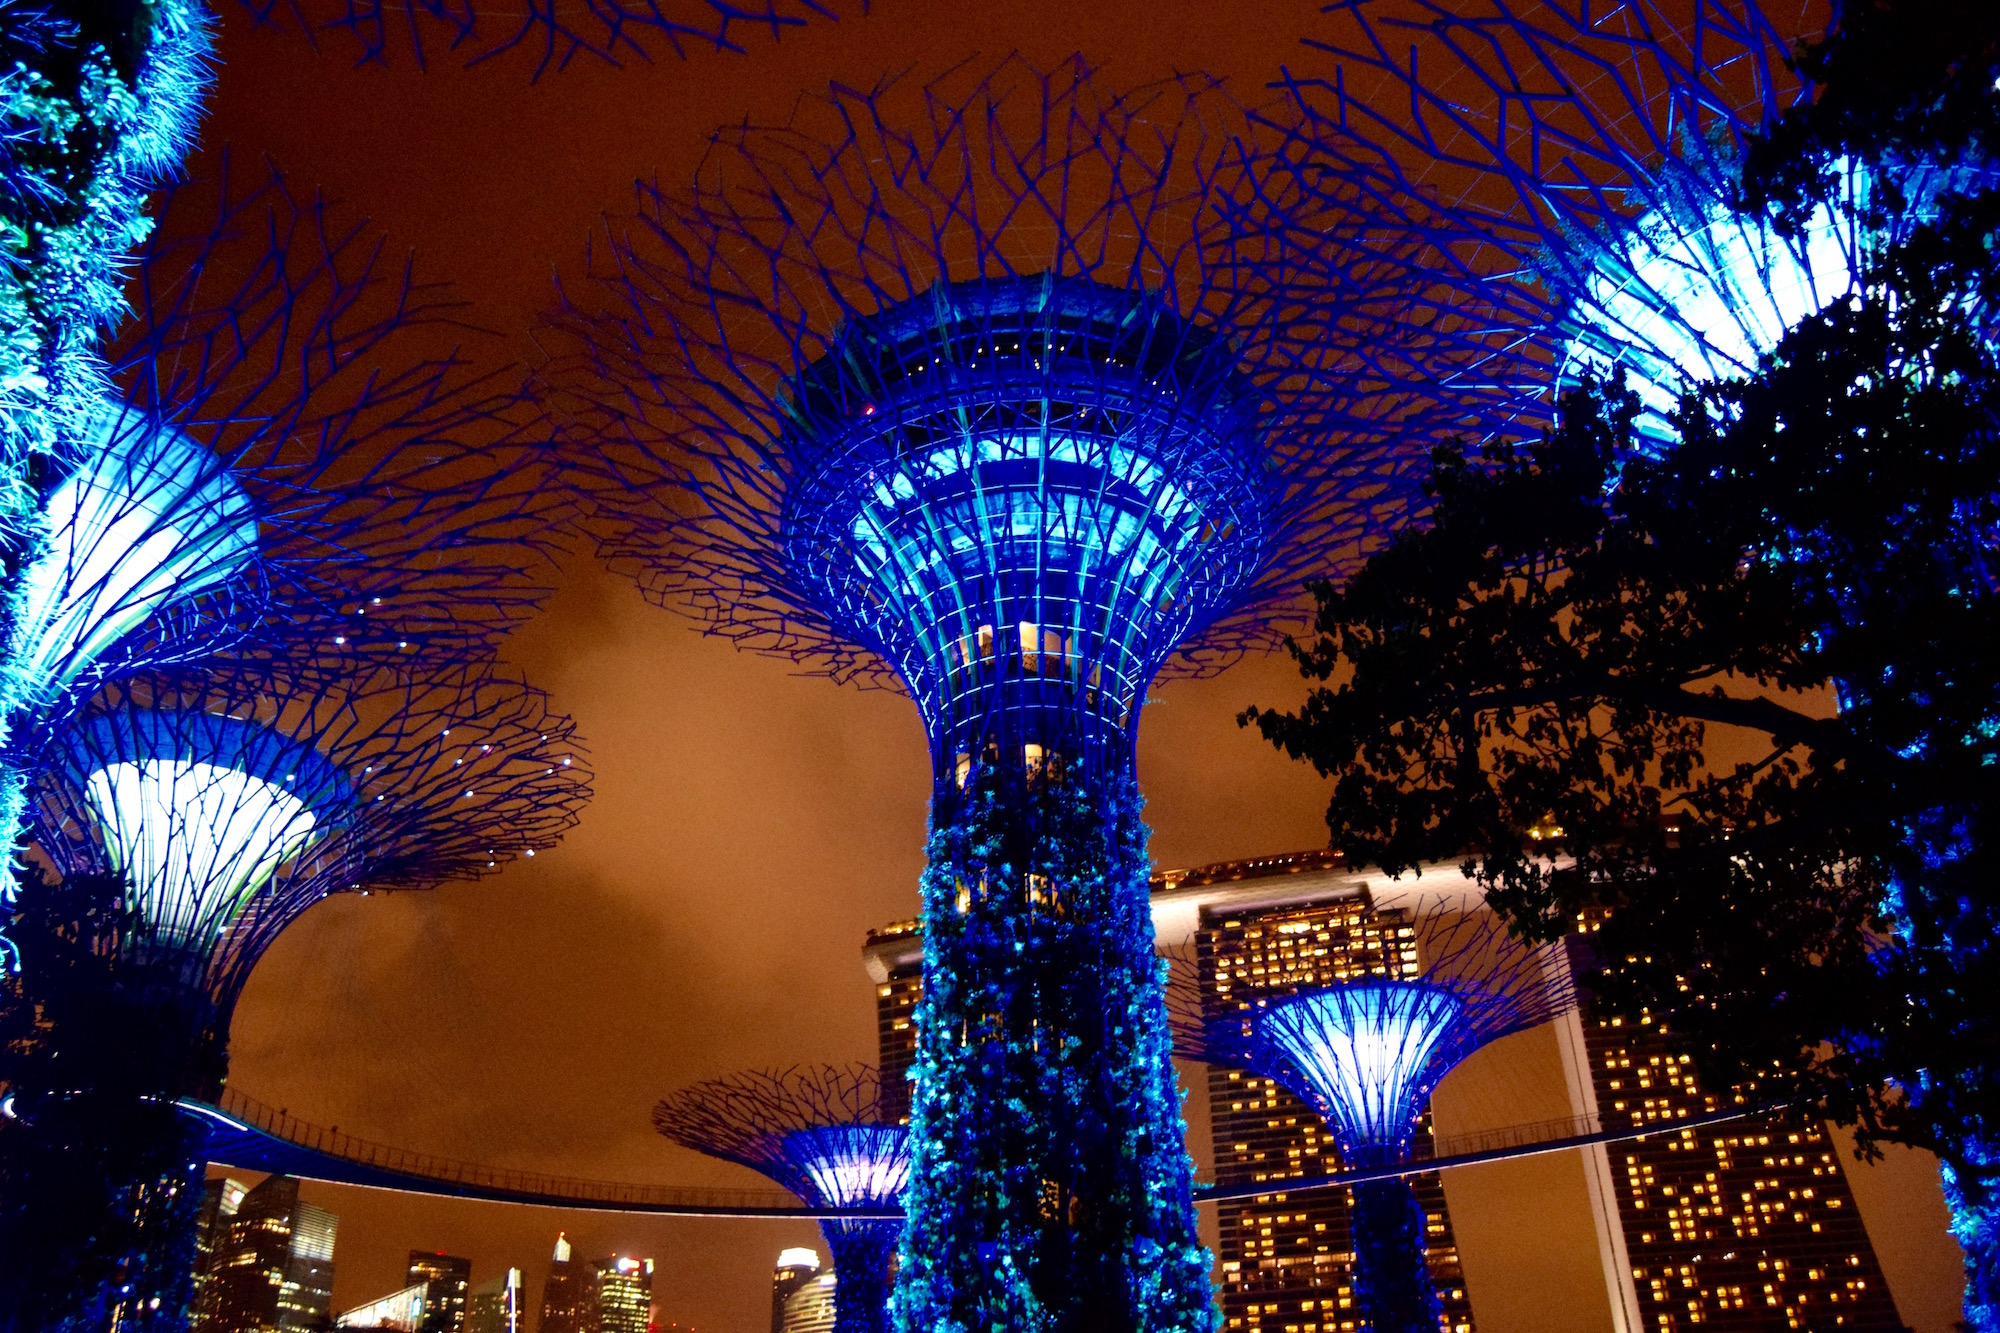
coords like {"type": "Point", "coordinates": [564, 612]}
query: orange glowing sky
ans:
{"type": "Point", "coordinates": [750, 823]}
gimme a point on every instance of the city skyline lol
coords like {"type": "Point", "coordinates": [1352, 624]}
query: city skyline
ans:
{"type": "Point", "coordinates": [522, 1024]}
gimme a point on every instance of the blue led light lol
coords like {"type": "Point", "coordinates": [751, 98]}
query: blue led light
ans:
{"type": "Point", "coordinates": [1370, 1052]}
{"type": "Point", "coordinates": [1693, 291]}
{"type": "Point", "coordinates": [1025, 495]}
{"type": "Point", "coordinates": [849, 1166]}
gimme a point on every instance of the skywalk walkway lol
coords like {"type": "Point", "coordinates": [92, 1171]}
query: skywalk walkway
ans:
{"type": "Point", "coordinates": [252, 1136]}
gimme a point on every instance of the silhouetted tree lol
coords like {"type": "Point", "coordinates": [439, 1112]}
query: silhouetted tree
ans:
{"type": "Point", "coordinates": [1528, 680]}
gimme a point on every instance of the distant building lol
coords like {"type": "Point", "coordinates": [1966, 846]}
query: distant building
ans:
{"type": "Point", "coordinates": [495, 1307]}
{"type": "Point", "coordinates": [894, 957]}
{"type": "Point", "coordinates": [445, 1278]}
{"type": "Point", "coordinates": [810, 1308]}
{"type": "Point", "coordinates": [271, 1271]}
{"type": "Point", "coordinates": [402, 1311]}
{"type": "Point", "coordinates": [569, 1297]}
{"type": "Point", "coordinates": [624, 1295]}
{"type": "Point", "coordinates": [796, 1267]}
{"type": "Point", "coordinates": [219, 1201]}
{"type": "Point", "coordinates": [1737, 1227]}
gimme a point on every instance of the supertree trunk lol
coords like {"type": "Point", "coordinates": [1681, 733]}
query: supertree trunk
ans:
{"type": "Point", "coordinates": [864, 1259]}
{"type": "Point", "coordinates": [1392, 1279]}
{"type": "Point", "coordinates": [1975, 1223]}
{"type": "Point", "coordinates": [1050, 1187]}
{"type": "Point", "coordinates": [98, 1223]}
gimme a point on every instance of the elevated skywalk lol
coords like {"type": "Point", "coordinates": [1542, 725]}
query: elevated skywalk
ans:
{"type": "Point", "coordinates": [252, 1136]}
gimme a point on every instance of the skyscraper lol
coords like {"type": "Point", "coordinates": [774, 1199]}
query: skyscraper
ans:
{"type": "Point", "coordinates": [624, 1294]}
{"type": "Point", "coordinates": [219, 1201]}
{"type": "Point", "coordinates": [402, 1311]}
{"type": "Point", "coordinates": [273, 1267]}
{"type": "Point", "coordinates": [495, 1306]}
{"type": "Point", "coordinates": [1733, 1227]}
{"type": "Point", "coordinates": [796, 1267]}
{"type": "Point", "coordinates": [1287, 1259]}
{"type": "Point", "coordinates": [569, 1297]}
{"type": "Point", "coordinates": [445, 1278]}
{"type": "Point", "coordinates": [894, 957]}
{"type": "Point", "coordinates": [810, 1309]}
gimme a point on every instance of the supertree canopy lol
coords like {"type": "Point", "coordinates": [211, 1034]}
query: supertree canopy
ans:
{"type": "Point", "coordinates": [973, 386]}
{"type": "Point", "coordinates": [1022, 495]}
{"type": "Point", "coordinates": [332, 507]}
{"type": "Point", "coordinates": [1366, 1051]}
{"type": "Point", "coordinates": [1575, 172]}
{"type": "Point", "coordinates": [190, 817]}
{"type": "Point", "coordinates": [824, 1133]}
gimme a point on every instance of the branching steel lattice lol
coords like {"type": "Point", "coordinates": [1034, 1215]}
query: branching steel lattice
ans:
{"type": "Point", "coordinates": [821, 1131]}
{"type": "Point", "coordinates": [1365, 1054]}
{"type": "Point", "coordinates": [977, 386]}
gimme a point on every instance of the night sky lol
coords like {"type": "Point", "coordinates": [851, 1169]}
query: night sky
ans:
{"type": "Point", "coordinates": [750, 823]}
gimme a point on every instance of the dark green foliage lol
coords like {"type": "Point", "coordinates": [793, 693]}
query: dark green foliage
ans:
{"type": "Point", "coordinates": [1392, 1282]}
{"type": "Point", "coordinates": [100, 1176]}
{"type": "Point", "coordinates": [1050, 1188]}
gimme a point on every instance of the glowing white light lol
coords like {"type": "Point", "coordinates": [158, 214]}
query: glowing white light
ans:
{"type": "Point", "coordinates": [798, 1257]}
{"type": "Point", "coordinates": [197, 840]}
{"type": "Point", "coordinates": [1081, 527]}
{"type": "Point", "coordinates": [1698, 292]}
{"type": "Point", "coordinates": [1369, 1050]}
{"type": "Point", "coordinates": [152, 517]}
{"type": "Point", "coordinates": [853, 1165]}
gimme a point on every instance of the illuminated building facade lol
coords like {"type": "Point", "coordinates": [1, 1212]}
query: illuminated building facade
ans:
{"type": "Point", "coordinates": [272, 1271]}
{"type": "Point", "coordinates": [220, 1198]}
{"type": "Point", "coordinates": [1281, 923]}
{"type": "Point", "coordinates": [496, 1306]}
{"type": "Point", "coordinates": [1735, 1227]}
{"type": "Point", "coordinates": [401, 1310]}
{"type": "Point", "coordinates": [624, 1294]}
{"type": "Point", "coordinates": [569, 1295]}
{"type": "Point", "coordinates": [894, 957]}
{"type": "Point", "coordinates": [812, 1308]}
{"type": "Point", "coordinates": [796, 1267]}
{"type": "Point", "coordinates": [445, 1279]}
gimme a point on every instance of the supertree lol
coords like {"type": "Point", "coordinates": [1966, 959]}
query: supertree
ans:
{"type": "Point", "coordinates": [1577, 174]}
{"type": "Point", "coordinates": [941, 385]}
{"type": "Point", "coordinates": [281, 471]}
{"type": "Point", "coordinates": [824, 1133]}
{"type": "Point", "coordinates": [188, 818]}
{"type": "Point", "coordinates": [1365, 1050]}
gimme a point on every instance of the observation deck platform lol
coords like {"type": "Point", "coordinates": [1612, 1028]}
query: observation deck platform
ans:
{"type": "Point", "coordinates": [252, 1136]}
